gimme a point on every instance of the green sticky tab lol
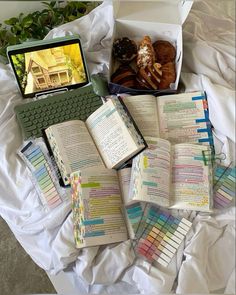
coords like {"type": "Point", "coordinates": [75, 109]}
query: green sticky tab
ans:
{"type": "Point", "coordinates": [90, 184]}
{"type": "Point", "coordinates": [168, 108]}
{"type": "Point", "coordinates": [150, 183]}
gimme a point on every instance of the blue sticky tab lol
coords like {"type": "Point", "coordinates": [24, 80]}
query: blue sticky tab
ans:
{"type": "Point", "coordinates": [33, 153]}
{"type": "Point", "coordinates": [198, 97]}
{"type": "Point", "coordinates": [135, 214]}
{"type": "Point", "coordinates": [233, 172]}
{"type": "Point", "coordinates": [135, 220]}
{"type": "Point", "coordinates": [206, 114]}
{"type": "Point", "coordinates": [93, 221]}
{"type": "Point", "coordinates": [133, 210]}
{"type": "Point", "coordinates": [94, 234]}
{"type": "Point", "coordinates": [203, 130]}
{"type": "Point", "coordinates": [201, 120]}
{"type": "Point", "coordinates": [228, 191]}
{"type": "Point", "coordinates": [198, 158]}
{"type": "Point", "coordinates": [204, 140]}
{"type": "Point", "coordinates": [40, 171]}
{"type": "Point", "coordinates": [211, 140]}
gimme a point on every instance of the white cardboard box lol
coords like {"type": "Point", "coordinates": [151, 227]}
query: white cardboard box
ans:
{"type": "Point", "coordinates": [160, 19]}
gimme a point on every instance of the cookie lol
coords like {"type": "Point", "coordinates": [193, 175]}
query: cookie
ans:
{"type": "Point", "coordinates": [164, 51]}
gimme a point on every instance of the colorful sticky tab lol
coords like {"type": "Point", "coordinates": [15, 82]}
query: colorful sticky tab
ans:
{"type": "Point", "coordinates": [160, 233]}
{"type": "Point", "coordinates": [224, 186]}
{"type": "Point", "coordinates": [43, 174]}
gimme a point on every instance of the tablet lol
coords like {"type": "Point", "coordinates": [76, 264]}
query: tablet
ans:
{"type": "Point", "coordinates": [48, 65]}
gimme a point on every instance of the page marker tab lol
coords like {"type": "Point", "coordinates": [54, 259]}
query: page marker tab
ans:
{"type": "Point", "coordinates": [200, 97]}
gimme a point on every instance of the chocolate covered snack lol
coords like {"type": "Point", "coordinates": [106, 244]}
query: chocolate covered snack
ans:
{"type": "Point", "coordinates": [168, 75]}
{"type": "Point", "coordinates": [146, 54]}
{"type": "Point", "coordinates": [124, 50]}
{"type": "Point", "coordinates": [125, 76]}
{"type": "Point", "coordinates": [165, 52]}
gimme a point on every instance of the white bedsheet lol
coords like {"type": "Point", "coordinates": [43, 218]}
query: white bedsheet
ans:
{"type": "Point", "coordinates": [209, 249]}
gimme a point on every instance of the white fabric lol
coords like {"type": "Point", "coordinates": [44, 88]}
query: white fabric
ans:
{"type": "Point", "coordinates": [209, 249]}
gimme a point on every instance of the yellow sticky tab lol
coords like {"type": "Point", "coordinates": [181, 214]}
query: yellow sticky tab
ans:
{"type": "Point", "coordinates": [90, 184]}
{"type": "Point", "coordinates": [145, 162]}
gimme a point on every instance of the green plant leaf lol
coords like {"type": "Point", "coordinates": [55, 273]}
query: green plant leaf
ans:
{"type": "Point", "coordinates": [27, 21]}
{"type": "Point", "coordinates": [37, 24]}
{"type": "Point", "coordinates": [12, 40]}
{"type": "Point", "coordinates": [21, 16]}
{"type": "Point", "coordinates": [50, 5]}
{"type": "Point", "coordinates": [11, 21]}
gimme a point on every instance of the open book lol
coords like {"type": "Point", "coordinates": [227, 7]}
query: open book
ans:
{"type": "Point", "coordinates": [175, 176]}
{"type": "Point", "coordinates": [97, 207]}
{"type": "Point", "coordinates": [108, 138]}
{"type": "Point", "coordinates": [179, 118]}
{"type": "Point", "coordinates": [99, 218]}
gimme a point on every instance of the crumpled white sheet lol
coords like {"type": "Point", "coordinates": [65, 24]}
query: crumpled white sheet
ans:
{"type": "Point", "coordinates": [47, 237]}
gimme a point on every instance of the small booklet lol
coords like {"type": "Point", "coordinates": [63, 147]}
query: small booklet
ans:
{"type": "Point", "coordinates": [97, 208]}
{"type": "Point", "coordinates": [108, 138]}
{"type": "Point", "coordinates": [179, 118]}
{"type": "Point", "coordinates": [175, 176]}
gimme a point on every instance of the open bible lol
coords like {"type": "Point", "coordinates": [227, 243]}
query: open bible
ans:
{"type": "Point", "coordinates": [108, 138]}
{"type": "Point", "coordinates": [179, 118]}
{"type": "Point", "coordinates": [175, 176]}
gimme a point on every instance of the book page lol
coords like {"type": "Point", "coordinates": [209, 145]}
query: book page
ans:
{"type": "Point", "coordinates": [124, 176]}
{"type": "Point", "coordinates": [115, 136]}
{"type": "Point", "coordinates": [143, 109]}
{"type": "Point", "coordinates": [99, 205]}
{"type": "Point", "coordinates": [191, 184]}
{"type": "Point", "coordinates": [72, 147]}
{"type": "Point", "coordinates": [184, 118]}
{"type": "Point", "coordinates": [151, 173]}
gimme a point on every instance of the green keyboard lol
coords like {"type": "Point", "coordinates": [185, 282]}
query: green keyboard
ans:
{"type": "Point", "coordinates": [37, 115]}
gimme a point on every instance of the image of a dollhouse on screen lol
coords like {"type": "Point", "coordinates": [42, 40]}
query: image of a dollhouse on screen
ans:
{"type": "Point", "coordinates": [50, 68]}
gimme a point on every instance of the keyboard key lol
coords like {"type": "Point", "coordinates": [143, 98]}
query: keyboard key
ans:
{"type": "Point", "coordinates": [37, 115]}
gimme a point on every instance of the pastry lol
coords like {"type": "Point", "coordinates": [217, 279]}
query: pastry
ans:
{"type": "Point", "coordinates": [125, 76]}
{"type": "Point", "coordinates": [168, 75]}
{"type": "Point", "coordinates": [149, 77]}
{"type": "Point", "coordinates": [146, 54]}
{"type": "Point", "coordinates": [124, 50]}
{"type": "Point", "coordinates": [165, 52]}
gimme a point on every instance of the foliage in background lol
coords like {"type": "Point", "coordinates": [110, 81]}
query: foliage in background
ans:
{"type": "Point", "coordinates": [36, 25]}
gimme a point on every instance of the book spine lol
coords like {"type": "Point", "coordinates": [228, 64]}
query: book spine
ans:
{"type": "Point", "coordinates": [130, 123]}
{"type": "Point", "coordinates": [56, 157]}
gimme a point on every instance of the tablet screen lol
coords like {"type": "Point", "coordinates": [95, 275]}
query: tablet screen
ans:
{"type": "Point", "coordinates": [49, 67]}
